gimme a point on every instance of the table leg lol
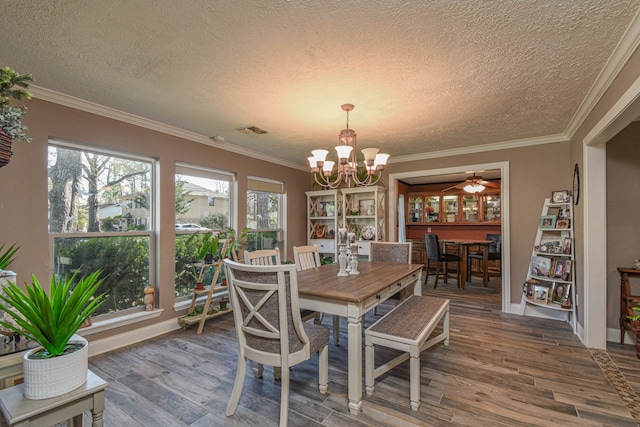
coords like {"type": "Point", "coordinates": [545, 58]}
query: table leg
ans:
{"type": "Point", "coordinates": [485, 265]}
{"type": "Point", "coordinates": [355, 363]}
{"type": "Point", "coordinates": [98, 408]}
{"type": "Point", "coordinates": [463, 265]}
{"type": "Point", "coordinates": [417, 287]}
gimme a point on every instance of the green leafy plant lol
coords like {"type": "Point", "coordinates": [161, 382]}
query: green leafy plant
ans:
{"type": "Point", "coordinates": [13, 86]}
{"type": "Point", "coordinates": [235, 241]}
{"type": "Point", "coordinates": [636, 316]}
{"type": "Point", "coordinates": [7, 255]}
{"type": "Point", "coordinates": [51, 320]}
{"type": "Point", "coordinates": [208, 244]}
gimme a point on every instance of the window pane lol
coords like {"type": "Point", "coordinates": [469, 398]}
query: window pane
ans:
{"type": "Point", "coordinates": [124, 261]}
{"type": "Point", "coordinates": [263, 210]}
{"type": "Point", "coordinates": [100, 217]}
{"type": "Point", "coordinates": [202, 203]}
{"type": "Point", "coordinates": [96, 192]}
{"type": "Point", "coordinates": [263, 220]}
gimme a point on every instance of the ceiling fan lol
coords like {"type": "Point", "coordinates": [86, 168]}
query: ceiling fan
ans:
{"type": "Point", "coordinates": [473, 184]}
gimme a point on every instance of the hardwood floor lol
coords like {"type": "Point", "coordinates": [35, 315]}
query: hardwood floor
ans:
{"type": "Point", "coordinates": [499, 370]}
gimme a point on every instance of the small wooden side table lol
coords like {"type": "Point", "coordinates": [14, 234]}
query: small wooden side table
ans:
{"type": "Point", "coordinates": [20, 412]}
{"type": "Point", "coordinates": [627, 301]}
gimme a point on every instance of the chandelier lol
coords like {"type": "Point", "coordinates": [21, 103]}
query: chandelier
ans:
{"type": "Point", "coordinates": [347, 168]}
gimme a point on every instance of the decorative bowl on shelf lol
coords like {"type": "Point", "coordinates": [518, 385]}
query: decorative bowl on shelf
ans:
{"type": "Point", "coordinates": [368, 232]}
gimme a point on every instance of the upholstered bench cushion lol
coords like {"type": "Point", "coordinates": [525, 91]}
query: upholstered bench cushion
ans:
{"type": "Point", "coordinates": [408, 320]}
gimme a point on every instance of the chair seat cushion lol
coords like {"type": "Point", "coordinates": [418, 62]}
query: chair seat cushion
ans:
{"type": "Point", "coordinates": [318, 336]}
{"type": "Point", "coordinates": [449, 258]}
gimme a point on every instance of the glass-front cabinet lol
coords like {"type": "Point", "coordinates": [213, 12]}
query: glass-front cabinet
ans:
{"type": "Point", "coordinates": [414, 209]}
{"type": "Point", "coordinates": [470, 211]}
{"type": "Point", "coordinates": [450, 208]}
{"type": "Point", "coordinates": [491, 208]}
{"type": "Point", "coordinates": [432, 208]}
{"type": "Point", "coordinates": [462, 208]}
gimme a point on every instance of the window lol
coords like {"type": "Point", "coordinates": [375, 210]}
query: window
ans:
{"type": "Point", "coordinates": [101, 212]}
{"type": "Point", "coordinates": [264, 214]}
{"type": "Point", "coordinates": [203, 204]}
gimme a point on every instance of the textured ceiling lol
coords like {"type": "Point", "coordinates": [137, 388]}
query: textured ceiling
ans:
{"type": "Point", "coordinates": [424, 75]}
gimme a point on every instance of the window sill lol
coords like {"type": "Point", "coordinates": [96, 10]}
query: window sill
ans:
{"type": "Point", "coordinates": [117, 322]}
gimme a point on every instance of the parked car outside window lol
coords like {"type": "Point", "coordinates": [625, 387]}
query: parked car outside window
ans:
{"type": "Point", "coordinates": [194, 227]}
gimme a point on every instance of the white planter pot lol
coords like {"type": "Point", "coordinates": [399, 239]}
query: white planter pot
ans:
{"type": "Point", "coordinates": [45, 378]}
{"type": "Point", "coordinates": [7, 276]}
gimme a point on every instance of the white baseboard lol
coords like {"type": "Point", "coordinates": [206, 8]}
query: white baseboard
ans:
{"type": "Point", "coordinates": [613, 335]}
{"type": "Point", "coordinates": [127, 338]}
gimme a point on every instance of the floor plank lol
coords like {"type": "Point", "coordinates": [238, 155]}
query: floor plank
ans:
{"type": "Point", "coordinates": [499, 370]}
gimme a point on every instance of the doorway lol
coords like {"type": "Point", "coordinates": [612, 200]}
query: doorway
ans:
{"type": "Point", "coordinates": [503, 167]}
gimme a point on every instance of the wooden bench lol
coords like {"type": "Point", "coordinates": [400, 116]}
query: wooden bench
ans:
{"type": "Point", "coordinates": [407, 328]}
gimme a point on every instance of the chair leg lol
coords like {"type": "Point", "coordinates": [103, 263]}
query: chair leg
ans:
{"type": "Point", "coordinates": [459, 274]}
{"type": "Point", "coordinates": [446, 272]}
{"type": "Point", "coordinates": [438, 265]}
{"type": "Point", "coordinates": [237, 386]}
{"type": "Point", "coordinates": [323, 368]}
{"type": "Point", "coordinates": [258, 369]}
{"type": "Point", "coordinates": [426, 276]}
{"type": "Point", "coordinates": [284, 397]}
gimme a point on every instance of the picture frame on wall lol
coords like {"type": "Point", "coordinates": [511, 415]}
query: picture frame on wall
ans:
{"type": "Point", "coordinates": [560, 196]}
{"type": "Point", "coordinates": [548, 221]}
{"type": "Point", "coordinates": [562, 223]}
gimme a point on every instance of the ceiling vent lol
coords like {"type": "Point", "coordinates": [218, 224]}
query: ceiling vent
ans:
{"type": "Point", "coordinates": [252, 129]}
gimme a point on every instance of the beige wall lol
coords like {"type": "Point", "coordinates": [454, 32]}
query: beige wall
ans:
{"type": "Point", "coordinates": [623, 208]}
{"type": "Point", "coordinates": [534, 173]}
{"type": "Point", "coordinates": [23, 186]}
{"type": "Point", "coordinates": [625, 78]}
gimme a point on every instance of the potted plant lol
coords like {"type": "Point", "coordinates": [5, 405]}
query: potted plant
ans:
{"type": "Point", "coordinates": [12, 86]}
{"type": "Point", "coordinates": [235, 242]}
{"type": "Point", "coordinates": [209, 247]}
{"type": "Point", "coordinates": [60, 364]}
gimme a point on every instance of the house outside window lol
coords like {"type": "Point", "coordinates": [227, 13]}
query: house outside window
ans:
{"type": "Point", "coordinates": [101, 213]}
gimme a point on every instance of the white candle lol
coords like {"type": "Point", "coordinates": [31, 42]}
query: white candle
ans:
{"type": "Point", "coordinates": [342, 236]}
{"type": "Point", "coordinates": [351, 237]}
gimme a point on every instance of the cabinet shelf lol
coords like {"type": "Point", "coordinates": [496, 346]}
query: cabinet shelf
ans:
{"type": "Point", "coordinates": [550, 306]}
{"type": "Point", "coordinates": [348, 204]}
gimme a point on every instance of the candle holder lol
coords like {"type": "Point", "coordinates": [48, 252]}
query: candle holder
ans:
{"type": "Point", "coordinates": [354, 264]}
{"type": "Point", "coordinates": [342, 260]}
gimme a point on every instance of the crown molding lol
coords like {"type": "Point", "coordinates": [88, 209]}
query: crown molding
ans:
{"type": "Point", "coordinates": [100, 110]}
{"type": "Point", "coordinates": [474, 149]}
{"type": "Point", "coordinates": [93, 108]}
{"type": "Point", "coordinates": [621, 54]}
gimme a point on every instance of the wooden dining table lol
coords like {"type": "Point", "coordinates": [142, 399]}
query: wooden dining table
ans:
{"type": "Point", "coordinates": [320, 289]}
{"type": "Point", "coordinates": [463, 245]}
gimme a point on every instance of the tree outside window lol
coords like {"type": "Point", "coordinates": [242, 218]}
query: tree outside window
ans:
{"type": "Point", "coordinates": [100, 210]}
